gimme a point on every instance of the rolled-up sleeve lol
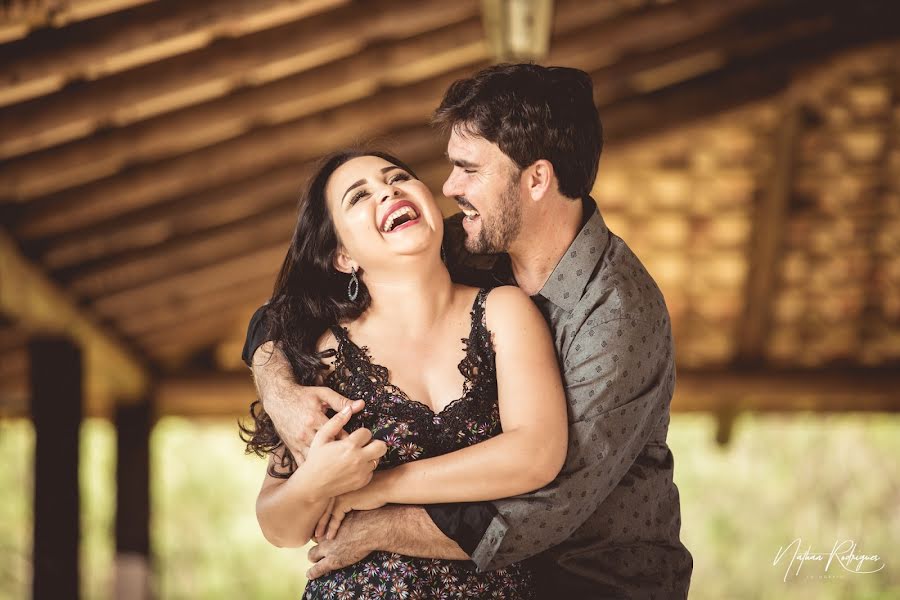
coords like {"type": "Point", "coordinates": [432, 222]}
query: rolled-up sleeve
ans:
{"type": "Point", "coordinates": [619, 378]}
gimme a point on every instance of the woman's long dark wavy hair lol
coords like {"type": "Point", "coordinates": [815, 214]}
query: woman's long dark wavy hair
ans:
{"type": "Point", "coordinates": [310, 295]}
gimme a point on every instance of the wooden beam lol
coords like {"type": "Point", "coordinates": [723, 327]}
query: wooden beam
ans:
{"type": "Point", "coordinates": [767, 238]}
{"type": "Point", "coordinates": [179, 217]}
{"type": "Point", "coordinates": [288, 99]}
{"type": "Point", "coordinates": [193, 248]}
{"type": "Point", "coordinates": [28, 297]}
{"type": "Point", "coordinates": [728, 35]}
{"type": "Point", "coordinates": [836, 390]}
{"type": "Point", "coordinates": [735, 82]}
{"type": "Point", "coordinates": [339, 82]}
{"type": "Point", "coordinates": [128, 38]}
{"type": "Point", "coordinates": [182, 254]}
{"type": "Point", "coordinates": [845, 390]}
{"type": "Point", "coordinates": [194, 283]}
{"type": "Point", "coordinates": [189, 216]}
{"type": "Point", "coordinates": [140, 188]}
{"type": "Point", "coordinates": [151, 260]}
{"type": "Point", "coordinates": [217, 69]}
{"type": "Point", "coordinates": [19, 17]}
{"type": "Point", "coordinates": [254, 289]}
{"type": "Point", "coordinates": [265, 148]}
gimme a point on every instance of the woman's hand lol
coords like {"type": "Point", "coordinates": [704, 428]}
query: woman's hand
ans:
{"type": "Point", "coordinates": [334, 467]}
{"type": "Point", "coordinates": [369, 497]}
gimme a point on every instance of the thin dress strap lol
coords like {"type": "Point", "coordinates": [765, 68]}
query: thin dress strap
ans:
{"type": "Point", "coordinates": [478, 367]}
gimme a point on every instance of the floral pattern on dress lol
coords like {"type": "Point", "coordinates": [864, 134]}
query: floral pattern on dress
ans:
{"type": "Point", "coordinates": [413, 431]}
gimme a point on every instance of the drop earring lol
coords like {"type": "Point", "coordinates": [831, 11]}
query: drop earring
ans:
{"type": "Point", "coordinates": [353, 286]}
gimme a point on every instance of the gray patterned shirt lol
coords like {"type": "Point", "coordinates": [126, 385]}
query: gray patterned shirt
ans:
{"type": "Point", "coordinates": [608, 526]}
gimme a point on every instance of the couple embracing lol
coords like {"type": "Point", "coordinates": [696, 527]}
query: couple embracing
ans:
{"type": "Point", "coordinates": [474, 407]}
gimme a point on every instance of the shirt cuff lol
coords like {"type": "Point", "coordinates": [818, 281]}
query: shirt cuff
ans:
{"type": "Point", "coordinates": [464, 523]}
{"type": "Point", "coordinates": [486, 551]}
{"type": "Point", "coordinates": [257, 334]}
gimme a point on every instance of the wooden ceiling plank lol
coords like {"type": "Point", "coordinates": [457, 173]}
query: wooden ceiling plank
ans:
{"type": "Point", "coordinates": [767, 239]}
{"type": "Point", "coordinates": [183, 254]}
{"type": "Point", "coordinates": [742, 80]}
{"type": "Point", "coordinates": [114, 372]}
{"type": "Point", "coordinates": [197, 282]}
{"type": "Point", "coordinates": [837, 390]}
{"type": "Point", "coordinates": [139, 35]}
{"type": "Point", "coordinates": [195, 247]}
{"type": "Point", "coordinates": [202, 125]}
{"type": "Point", "coordinates": [387, 64]}
{"type": "Point", "coordinates": [59, 216]}
{"type": "Point", "coordinates": [17, 19]}
{"type": "Point", "coordinates": [182, 216]}
{"type": "Point", "coordinates": [121, 98]}
{"type": "Point", "coordinates": [230, 161]}
{"type": "Point", "coordinates": [252, 290]}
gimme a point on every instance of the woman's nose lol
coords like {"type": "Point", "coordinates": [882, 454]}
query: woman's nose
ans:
{"type": "Point", "coordinates": [389, 192]}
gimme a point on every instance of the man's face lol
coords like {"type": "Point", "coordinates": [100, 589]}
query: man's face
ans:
{"type": "Point", "coordinates": [485, 184]}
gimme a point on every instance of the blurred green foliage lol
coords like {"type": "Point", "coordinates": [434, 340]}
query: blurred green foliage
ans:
{"type": "Point", "coordinates": [814, 477]}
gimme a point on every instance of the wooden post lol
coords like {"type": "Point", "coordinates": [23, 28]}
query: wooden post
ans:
{"type": "Point", "coordinates": [56, 406]}
{"type": "Point", "coordinates": [133, 425]}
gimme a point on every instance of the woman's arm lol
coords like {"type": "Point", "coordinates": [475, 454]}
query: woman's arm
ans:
{"type": "Point", "coordinates": [288, 509]}
{"type": "Point", "coordinates": [526, 456]}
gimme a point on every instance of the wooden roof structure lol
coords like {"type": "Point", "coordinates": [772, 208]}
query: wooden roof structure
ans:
{"type": "Point", "coordinates": [151, 154]}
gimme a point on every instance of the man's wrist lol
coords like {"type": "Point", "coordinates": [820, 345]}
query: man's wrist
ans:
{"type": "Point", "coordinates": [379, 532]}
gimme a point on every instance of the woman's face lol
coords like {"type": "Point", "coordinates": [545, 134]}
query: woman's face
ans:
{"type": "Point", "coordinates": [381, 212]}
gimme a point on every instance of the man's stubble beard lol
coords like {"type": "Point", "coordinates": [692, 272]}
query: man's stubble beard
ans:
{"type": "Point", "coordinates": [501, 230]}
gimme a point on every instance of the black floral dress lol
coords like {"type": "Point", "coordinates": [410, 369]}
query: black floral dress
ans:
{"type": "Point", "coordinates": [413, 431]}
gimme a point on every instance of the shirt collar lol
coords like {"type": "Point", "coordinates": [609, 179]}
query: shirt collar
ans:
{"type": "Point", "coordinates": [570, 277]}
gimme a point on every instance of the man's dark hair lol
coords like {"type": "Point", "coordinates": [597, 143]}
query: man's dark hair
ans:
{"type": "Point", "coordinates": [531, 112]}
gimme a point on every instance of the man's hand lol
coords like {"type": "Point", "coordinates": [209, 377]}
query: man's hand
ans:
{"type": "Point", "coordinates": [353, 543]}
{"type": "Point", "coordinates": [297, 411]}
{"type": "Point", "coordinates": [406, 530]}
{"type": "Point", "coordinates": [368, 497]}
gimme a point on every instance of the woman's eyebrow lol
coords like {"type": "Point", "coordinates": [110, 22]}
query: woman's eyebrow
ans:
{"type": "Point", "coordinates": [362, 181]}
{"type": "Point", "coordinates": [355, 185]}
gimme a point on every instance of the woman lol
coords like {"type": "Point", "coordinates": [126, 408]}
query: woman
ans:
{"type": "Point", "coordinates": [364, 305]}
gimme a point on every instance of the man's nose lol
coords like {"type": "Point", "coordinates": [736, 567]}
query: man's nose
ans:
{"type": "Point", "coordinates": [449, 187]}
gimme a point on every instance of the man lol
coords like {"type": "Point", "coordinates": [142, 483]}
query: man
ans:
{"type": "Point", "coordinates": [524, 144]}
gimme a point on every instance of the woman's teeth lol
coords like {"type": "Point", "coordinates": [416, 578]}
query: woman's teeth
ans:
{"type": "Point", "coordinates": [405, 211]}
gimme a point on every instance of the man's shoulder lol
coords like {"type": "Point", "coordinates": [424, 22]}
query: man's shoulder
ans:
{"type": "Point", "coordinates": [622, 288]}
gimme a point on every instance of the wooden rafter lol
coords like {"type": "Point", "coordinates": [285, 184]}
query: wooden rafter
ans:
{"type": "Point", "coordinates": [114, 373]}
{"type": "Point", "coordinates": [229, 161]}
{"type": "Point", "coordinates": [134, 36]}
{"type": "Point", "coordinates": [216, 70]}
{"type": "Point", "coordinates": [338, 82]}
{"type": "Point", "coordinates": [837, 391]}
{"type": "Point", "coordinates": [350, 79]}
{"type": "Point", "coordinates": [768, 233]}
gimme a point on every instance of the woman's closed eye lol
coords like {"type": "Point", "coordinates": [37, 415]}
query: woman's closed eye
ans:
{"type": "Point", "coordinates": [363, 192]}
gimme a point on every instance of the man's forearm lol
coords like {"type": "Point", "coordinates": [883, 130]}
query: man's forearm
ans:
{"type": "Point", "coordinates": [408, 530]}
{"type": "Point", "coordinates": [271, 370]}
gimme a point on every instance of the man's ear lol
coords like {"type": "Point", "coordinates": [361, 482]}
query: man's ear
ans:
{"type": "Point", "coordinates": [539, 179]}
{"type": "Point", "coordinates": [344, 263]}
